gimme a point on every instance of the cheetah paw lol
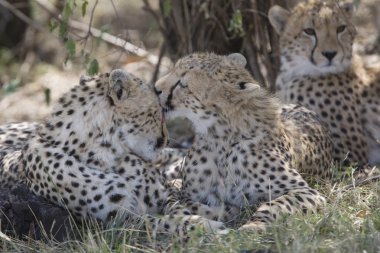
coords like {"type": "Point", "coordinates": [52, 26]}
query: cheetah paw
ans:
{"type": "Point", "coordinates": [256, 226]}
{"type": "Point", "coordinates": [210, 226]}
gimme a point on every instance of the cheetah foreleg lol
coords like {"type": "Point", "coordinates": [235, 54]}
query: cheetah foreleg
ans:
{"type": "Point", "coordinates": [296, 200]}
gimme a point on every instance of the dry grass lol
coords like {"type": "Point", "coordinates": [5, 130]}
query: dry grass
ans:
{"type": "Point", "coordinates": [349, 223]}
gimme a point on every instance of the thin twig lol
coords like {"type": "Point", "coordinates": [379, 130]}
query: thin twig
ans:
{"type": "Point", "coordinates": [148, 8]}
{"type": "Point", "coordinates": [116, 41]}
{"type": "Point", "coordinates": [125, 36]}
{"type": "Point", "coordinates": [85, 38]}
{"type": "Point", "coordinates": [157, 70]}
{"type": "Point", "coordinates": [116, 13]}
{"type": "Point", "coordinates": [109, 38]}
{"type": "Point", "coordinates": [90, 23]}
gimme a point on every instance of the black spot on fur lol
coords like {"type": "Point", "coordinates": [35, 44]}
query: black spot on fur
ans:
{"type": "Point", "coordinates": [115, 198]}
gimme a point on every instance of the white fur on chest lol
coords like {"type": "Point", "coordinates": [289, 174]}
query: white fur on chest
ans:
{"type": "Point", "coordinates": [300, 66]}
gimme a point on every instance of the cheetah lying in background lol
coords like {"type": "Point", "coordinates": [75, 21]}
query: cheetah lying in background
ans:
{"type": "Point", "coordinates": [248, 147]}
{"type": "Point", "coordinates": [318, 72]}
{"type": "Point", "coordinates": [92, 155]}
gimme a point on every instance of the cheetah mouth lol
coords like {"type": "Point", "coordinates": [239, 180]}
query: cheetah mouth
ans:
{"type": "Point", "coordinates": [329, 65]}
{"type": "Point", "coordinates": [168, 107]}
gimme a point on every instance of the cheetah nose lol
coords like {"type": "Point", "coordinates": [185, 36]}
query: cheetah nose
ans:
{"type": "Point", "coordinates": [158, 92]}
{"type": "Point", "coordinates": [329, 54]}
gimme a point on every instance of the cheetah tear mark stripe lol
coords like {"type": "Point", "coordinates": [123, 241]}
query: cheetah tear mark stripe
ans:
{"type": "Point", "coordinates": [341, 47]}
{"type": "Point", "coordinates": [170, 96]}
{"type": "Point", "coordinates": [315, 46]}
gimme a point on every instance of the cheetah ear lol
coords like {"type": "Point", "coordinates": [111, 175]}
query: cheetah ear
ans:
{"type": "Point", "coordinates": [238, 58]}
{"type": "Point", "coordinates": [278, 17]}
{"type": "Point", "coordinates": [118, 87]}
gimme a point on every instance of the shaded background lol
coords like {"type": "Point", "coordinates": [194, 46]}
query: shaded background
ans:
{"type": "Point", "coordinates": [38, 63]}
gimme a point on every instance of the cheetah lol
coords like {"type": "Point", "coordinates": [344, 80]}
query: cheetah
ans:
{"type": "Point", "coordinates": [319, 71]}
{"type": "Point", "coordinates": [370, 111]}
{"type": "Point", "coordinates": [249, 149]}
{"type": "Point", "coordinates": [12, 139]}
{"type": "Point", "coordinates": [94, 155]}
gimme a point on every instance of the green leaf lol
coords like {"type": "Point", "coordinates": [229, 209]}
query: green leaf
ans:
{"type": "Point", "coordinates": [66, 14]}
{"type": "Point", "coordinates": [11, 86]}
{"type": "Point", "coordinates": [52, 25]}
{"type": "Point", "coordinates": [167, 7]}
{"type": "Point", "coordinates": [84, 8]}
{"type": "Point", "coordinates": [236, 25]}
{"type": "Point", "coordinates": [93, 67]}
{"type": "Point", "coordinates": [62, 29]}
{"type": "Point", "coordinates": [70, 46]}
{"type": "Point", "coordinates": [67, 10]}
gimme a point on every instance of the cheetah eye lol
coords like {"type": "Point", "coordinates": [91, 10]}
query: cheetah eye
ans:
{"type": "Point", "coordinates": [242, 85]}
{"type": "Point", "coordinates": [309, 31]}
{"type": "Point", "coordinates": [180, 84]}
{"type": "Point", "coordinates": [341, 28]}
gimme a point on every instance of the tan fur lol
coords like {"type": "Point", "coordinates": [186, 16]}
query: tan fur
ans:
{"type": "Point", "coordinates": [318, 72]}
{"type": "Point", "coordinates": [326, 19]}
{"type": "Point", "coordinates": [93, 155]}
{"type": "Point", "coordinates": [243, 151]}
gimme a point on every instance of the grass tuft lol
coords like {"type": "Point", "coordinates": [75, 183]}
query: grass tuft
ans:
{"type": "Point", "coordinates": [349, 223]}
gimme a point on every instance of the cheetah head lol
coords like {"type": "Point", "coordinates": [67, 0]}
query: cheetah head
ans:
{"type": "Point", "coordinates": [315, 37]}
{"type": "Point", "coordinates": [207, 88]}
{"type": "Point", "coordinates": [138, 114]}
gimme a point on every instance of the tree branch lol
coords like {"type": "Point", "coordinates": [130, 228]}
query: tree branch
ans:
{"type": "Point", "coordinates": [109, 38]}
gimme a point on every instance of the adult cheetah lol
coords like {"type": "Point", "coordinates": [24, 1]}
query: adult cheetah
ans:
{"type": "Point", "coordinates": [93, 155]}
{"type": "Point", "coordinates": [248, 148]}
{"type": "Point", "coordinates": [318, 71]}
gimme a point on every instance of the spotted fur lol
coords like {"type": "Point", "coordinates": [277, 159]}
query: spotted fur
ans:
{"type": "Point", "coordinates": [249, 149]}
{"type": "Point", "coordinates": [93, 155]}
{"type": "Point", "coordinates": [318, 71]}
